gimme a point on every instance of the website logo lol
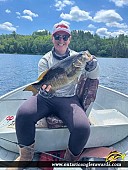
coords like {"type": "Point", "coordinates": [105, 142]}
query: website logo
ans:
{"type": "Point", "coordinates": [115, 155]}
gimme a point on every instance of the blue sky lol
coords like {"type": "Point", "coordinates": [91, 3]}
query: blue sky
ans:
{"type": "Point", "coordinates": [104, 17]}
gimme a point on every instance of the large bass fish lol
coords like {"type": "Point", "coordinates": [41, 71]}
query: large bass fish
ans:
{"type": "Point", "coordinates": [62, 73]}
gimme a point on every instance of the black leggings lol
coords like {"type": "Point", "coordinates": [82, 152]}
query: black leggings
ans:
{"type": "Point", "coordinates": [68, 109]}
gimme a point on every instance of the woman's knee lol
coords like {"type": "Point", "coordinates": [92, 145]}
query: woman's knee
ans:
{"type": "Point", "coordinates": [29, 107]}
{"type": "Point", "coordinates": [83, 130]}
{"type": "Point", "coordinates": [24, 115]}
{"type": "Point", "coordinates": [86, 129]}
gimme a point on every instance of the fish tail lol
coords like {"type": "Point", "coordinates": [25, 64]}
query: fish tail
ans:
{"type": "Point", "coordinates": [31, 88]}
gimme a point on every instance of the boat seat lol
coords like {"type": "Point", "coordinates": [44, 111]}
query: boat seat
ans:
{"type": "Point", "coordinates": [96, 117]}
{"type": "Point", "coordinates": [107, 117]}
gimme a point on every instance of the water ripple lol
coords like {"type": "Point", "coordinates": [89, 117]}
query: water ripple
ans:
{"type": "Point", "coordinates": [18, 70]}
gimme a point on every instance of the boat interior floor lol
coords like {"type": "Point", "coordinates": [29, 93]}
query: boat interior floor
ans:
{"type": "Point", "coordinates": [96, 117]}
{"type": "Point", "coordinates": [7, 155]}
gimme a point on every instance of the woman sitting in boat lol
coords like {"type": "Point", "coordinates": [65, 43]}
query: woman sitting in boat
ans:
{"type": "Point", "coordinates": [65, 103]}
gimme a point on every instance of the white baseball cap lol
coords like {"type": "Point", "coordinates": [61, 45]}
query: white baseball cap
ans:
{"type": "Point", "coordinates": [61, 26]}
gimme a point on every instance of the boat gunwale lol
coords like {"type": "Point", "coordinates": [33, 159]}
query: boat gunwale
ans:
{"type": "Point", "coordinates": [115, 91]}
{"type": "Point", "coordinates": [99, 86]}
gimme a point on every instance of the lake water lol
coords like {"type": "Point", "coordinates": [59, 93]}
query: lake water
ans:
{"type": "Point", "coordinates": [18, 70]}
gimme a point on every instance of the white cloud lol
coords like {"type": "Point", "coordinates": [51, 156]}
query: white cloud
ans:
{"type": "Point", "coordinates": [7, 26]}
{"type": "Point", "coordinates": [18, 13]}
{"type": "Point", "coordinates": [117, 33]}
{"type": "Point", "coordinates": [111, 19]}
{"type": "Point", "coordinates": [76, 15]}
{"type": "Point", "coordinates": [92, 32]}
{"type": "Point", "coordinates": [120, 3]}
{"type": "Point", "coordinates": [91, 26]}
{"type": "Point", "coordinates": [117, 25]}
{"type": "Point", "coordinates": [41, 30]}
{"type": "Point", "coordinates": [107, 16]}
{"type": "Point", "coordinates": [30, 13]}
{"type": "Point", "coordinates": [63, 22]}
{"type": "Point", "coordinates": [60, 4]}
{"type": "Point", "coordinates": [7, 11]}
{"type": "Point", "coordinates": [103, 32]}
{"type": "Point", "coordinates": [27, 17]}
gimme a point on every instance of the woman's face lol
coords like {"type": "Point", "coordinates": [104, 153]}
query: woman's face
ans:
{"type": "Point", "coordinates": [61, 41]}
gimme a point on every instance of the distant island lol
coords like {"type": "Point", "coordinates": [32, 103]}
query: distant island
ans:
{"type": "Point", "coordinates": [40, 43]}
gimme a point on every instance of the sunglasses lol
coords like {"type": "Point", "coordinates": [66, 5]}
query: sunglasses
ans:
{"type": "Point", "coordinates": [58, 37]}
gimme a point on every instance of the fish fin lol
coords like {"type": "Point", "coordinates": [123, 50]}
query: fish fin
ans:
{"type": "Point", "coordinates": [42, 75]}
{"type": "Point", "coordinates": [31, 88]}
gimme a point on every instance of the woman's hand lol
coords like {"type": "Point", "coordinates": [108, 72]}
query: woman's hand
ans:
{"type": "Point", "coordinates": [46, 88]}
{"type": "Point", "coordinates": [45, 91]}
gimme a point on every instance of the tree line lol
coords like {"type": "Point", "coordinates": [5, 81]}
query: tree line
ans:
{"type": "Point", "coordinates": [40, 43]}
